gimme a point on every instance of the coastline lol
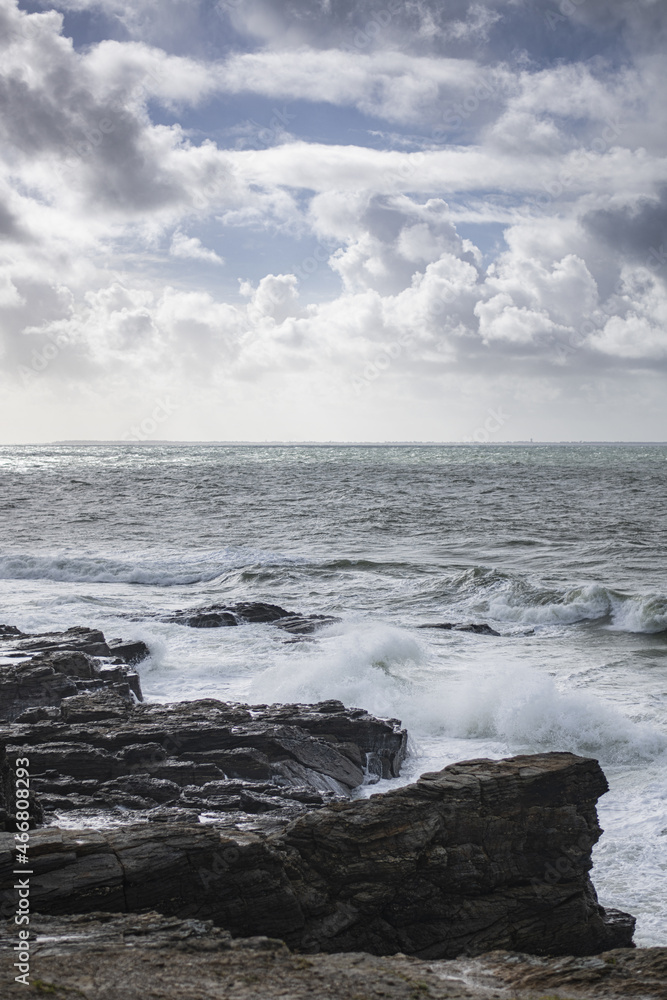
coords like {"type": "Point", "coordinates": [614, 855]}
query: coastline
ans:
{"type": "Point", "coordinates": [242, 815]}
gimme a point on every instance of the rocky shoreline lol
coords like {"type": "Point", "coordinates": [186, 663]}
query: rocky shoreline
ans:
{"type": "Point", "coordinates": [243, 816]}
{"type": "Point", "coordinates": [112, 957]}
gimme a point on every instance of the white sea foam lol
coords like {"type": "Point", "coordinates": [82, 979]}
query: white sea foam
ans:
{"type": "Point", "coordinates": [517, 603]}
{"type": "Point", "coordinates": [384, 670]}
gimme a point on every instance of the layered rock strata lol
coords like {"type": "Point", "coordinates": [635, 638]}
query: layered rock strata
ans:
{"type": "Point", "coordinates": [41, 670]}
{"type": "Point", "coordinates": [259, 766]}
{"type": "Point", "coordinates": [479, 856]}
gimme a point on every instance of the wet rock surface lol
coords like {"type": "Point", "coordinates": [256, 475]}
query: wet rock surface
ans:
{"type": "Point", "coordinates": [41, 670]}
{"type": "Point", "coordinates": [105, 956]}
{"type": "Point", "coordinates": [242, 815]}
{"type": "Point", "coordinates": [263, 766]}
{"type": "Point", "coordinates": [461, 862]}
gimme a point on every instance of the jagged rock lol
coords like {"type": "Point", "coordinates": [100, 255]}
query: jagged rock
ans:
{"type": "Point", "coordinates": [58, 665]}
{"type": "Point", "coordinates": [91, 742]}
{"type": "Point", "coordinates": [480, 628]}
{"type": "Point", "coordinates": [135, 955]}
{"type": "Point", "coordinates": [481, 855]}
{"type": "Point", "coordinates": [129, 652]}
{"type": "Point", "coordinates": [247, 612]}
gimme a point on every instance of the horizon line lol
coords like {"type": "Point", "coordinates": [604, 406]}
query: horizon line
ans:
{"type": "Point", "coordinates": [92, 442]}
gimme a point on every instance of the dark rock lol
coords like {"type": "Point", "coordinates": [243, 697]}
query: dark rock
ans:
{"type": "Point", "coordinates": [461, 862]}
{"type": "Point", "coordinates": [300, 625]}
{"type": "Point", "coordinates": [150, 955]}
{"type": "Point", "coordinates": [95, 739]}
{"type": "Point", "coordinates": [250, 612]}
{"type": "Point", "coordinates": [58, 665]}
{"type": "Point", "coordinates": [12, 767]}
{"type": "Point", "coordinates": [129, 652]}
{"type": "Point", "coordinates": [211, 619]}
{"type": "Point", "coordinates": [478, 628]}
{"type": "Point", "coordinates": [9, 630]}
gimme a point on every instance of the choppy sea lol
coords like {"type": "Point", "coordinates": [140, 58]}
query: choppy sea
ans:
{"type": "Point", "coordinates": [562, 549]}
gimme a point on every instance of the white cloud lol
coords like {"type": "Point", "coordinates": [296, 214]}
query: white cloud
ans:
{"type": "Point", "coordinates": [94, 184]}
{"type": "Point", "coordinates": [192, 248]}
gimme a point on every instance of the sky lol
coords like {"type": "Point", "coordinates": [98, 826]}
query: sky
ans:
{"type": "Point", "coordinates": [390, 220]}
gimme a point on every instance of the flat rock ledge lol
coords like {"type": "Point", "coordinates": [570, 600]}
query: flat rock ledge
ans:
{"type": "Point", "coordinates": [103, 956]}
{"type": "Point", "coordinates": [482, 855]}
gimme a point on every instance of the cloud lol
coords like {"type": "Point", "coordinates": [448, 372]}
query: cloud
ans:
{"type": "Point", "coordinates": [638, 230]}
{"type": "Point", "coordinates": [498, 240]}
{"type": "Point", "coordinates": [191, 247]}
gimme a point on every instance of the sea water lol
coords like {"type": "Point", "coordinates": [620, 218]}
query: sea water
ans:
{"type": "Point", "coordinates": [561, 549]}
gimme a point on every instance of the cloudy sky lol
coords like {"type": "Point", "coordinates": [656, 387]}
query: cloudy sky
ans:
{"type": "Point", "coordinates": [333, 220]}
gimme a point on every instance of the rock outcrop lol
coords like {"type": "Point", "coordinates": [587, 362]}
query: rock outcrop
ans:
{"type": "Point", "coordinates": [42, 670]}
{"type": "Point", "coordinates": [226, 615]}
{"type": "Point", "coordinates": [261, 766]}
{"type": "Point", "coordinates": [122, 957]}
{"type": "Point", "coordinates": [479, 628]}
{"type": "Point", "coordinates": [481, 855]}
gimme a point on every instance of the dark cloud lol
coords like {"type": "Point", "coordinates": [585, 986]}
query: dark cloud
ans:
{"type": "Point", "coordinates": [638, 231]}
{"type": "Point", "coordinates": [10, 227]}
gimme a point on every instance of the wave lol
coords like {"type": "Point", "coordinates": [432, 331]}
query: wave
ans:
{"type": "Point", "coordinates": [507, 597]}
{"type": "Point", "coordinates": [384, 670]}
{"type": "Point", "coordinates": [165, 571]}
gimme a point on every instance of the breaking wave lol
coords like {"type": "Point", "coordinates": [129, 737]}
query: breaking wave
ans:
{"type": "Point", "coordinates": [160, 571]}
{"type": "Point", "coordinates": [509, 597]}
{"type": "Point", "coordinates": [384, 671]}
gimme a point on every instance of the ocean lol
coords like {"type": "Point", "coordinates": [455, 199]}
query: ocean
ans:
{"type": "Point", "coordinates": [560, 548]}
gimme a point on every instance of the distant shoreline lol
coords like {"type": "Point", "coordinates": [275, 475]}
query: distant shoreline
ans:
{"type": "Point", "coordinates": [92, 443]}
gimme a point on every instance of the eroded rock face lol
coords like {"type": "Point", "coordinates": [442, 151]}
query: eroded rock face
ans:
{"type": "Point", "coordinates": [261, 766]}
{"type": "Point", "coordinates": [461, 862]}
{"type": "Point", "coordinates": [41, 670]}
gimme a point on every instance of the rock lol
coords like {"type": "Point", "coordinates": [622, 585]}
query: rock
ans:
{"type": "Point", "coordinates": [7, 631]}
{"type": "Point", "coordinates": [478, 628]}
{"type": "Point", "coordinates": [58, 665]}
{"type": "Point", "coordinates": [250, 612]}
{"type": "Point", "coordinates": [96, 739]}
{"type": "Point", "coordinates": [129, 652]}
{"type": "Point", "coordinates": [147, 954]}
{"type": "Point", "coordinates": [481, 855]}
